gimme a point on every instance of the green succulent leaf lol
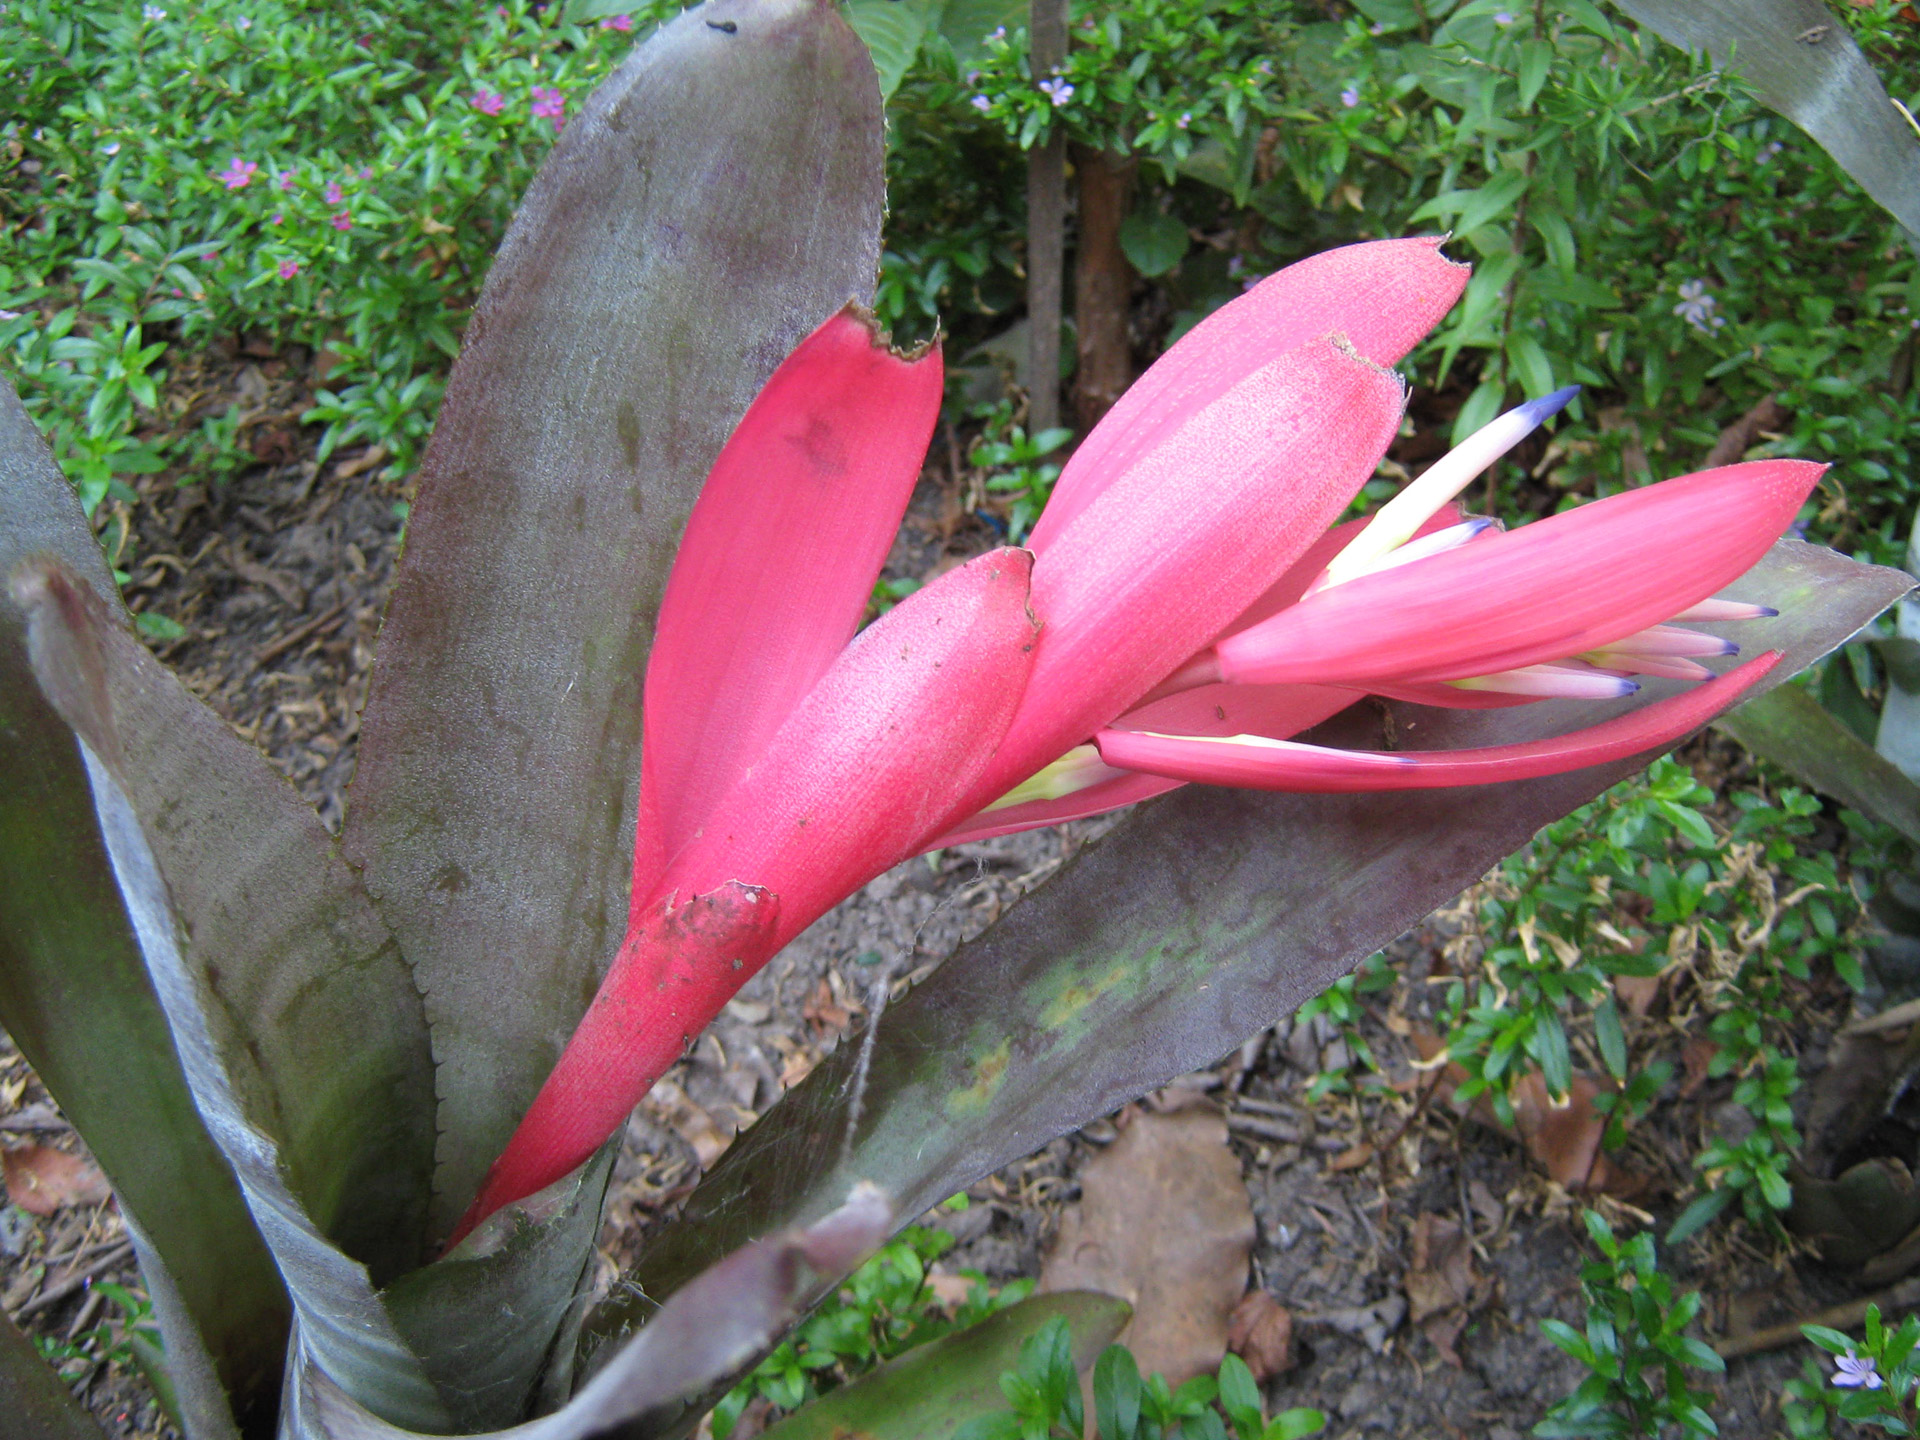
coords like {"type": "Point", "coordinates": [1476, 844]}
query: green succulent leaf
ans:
{"type": "Point", "coordinates": [74, 992]}
{"type": "Point", "coordinates": [295, 1019]}
{"type": "Point", "coordinates": [39, 1405]}
{"type": "Point", "coordinates": [661, 1382]}
{"type": "Point", "coordinates": [1204, 917]}
{"type": "Point", "coordinates": [1799, 734]}
{"type": "Point", "coordinates": [929, 1392]}
{"type": "Point", "coordinates": [1802, 61]}
{"type": "Point", "coordinates": [717, 199]}
{"type": "Point", "coordinates": [483, 1320]}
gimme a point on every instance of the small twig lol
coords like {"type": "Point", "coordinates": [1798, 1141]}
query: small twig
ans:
{"type": "Point", "coordinates": [299, 633]}
{"type": "Point", "coordinates": [1835, 1317]}
{"type": "Point", "coordinates": [1262, 1128]}
{"type": "Point", "coordinates": [88, 1309]}
{"type": "Point", "coordinates": [119, 1252]}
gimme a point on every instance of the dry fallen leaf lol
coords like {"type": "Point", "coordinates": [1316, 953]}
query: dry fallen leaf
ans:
{"type": "Point", "coordinates": [1352, 1158]}
{"type": "Point", "coordinates": [1442, 1285]}
{"type": "Point", "coordinates": [674, 1108]}
{"type": "Point", "coordinates": [1163, 1222]}
{"type": "Point", "coordinates": [1260, 1332]}
{"type": "Point", "coordinates": [41, 1179]}
{"type": "Point", "coordinates": [1441, 1275]}
{"type": "Point", "coordinates": [949, 1292]}
{"type": "Point", "coordinates": [1637, 992]}
{"type": "Point", "coordinates": [1564, 1138]}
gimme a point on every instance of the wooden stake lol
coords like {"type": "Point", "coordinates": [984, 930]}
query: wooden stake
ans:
{"type": "Point", "coordinates": [1046, 227]}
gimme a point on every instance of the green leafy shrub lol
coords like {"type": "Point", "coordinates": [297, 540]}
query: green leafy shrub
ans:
{"type": "Point", "coordinates": [337, 177]}
{"type": "Point", "coordinates": [1635, 1348]}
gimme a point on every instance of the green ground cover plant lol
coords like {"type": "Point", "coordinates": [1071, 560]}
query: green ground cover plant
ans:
{"type": "Point", "coordinates": [336, 177]}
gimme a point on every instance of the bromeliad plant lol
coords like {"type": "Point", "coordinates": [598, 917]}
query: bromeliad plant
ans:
{"type": "Point", "coordinates": [356, 1096]}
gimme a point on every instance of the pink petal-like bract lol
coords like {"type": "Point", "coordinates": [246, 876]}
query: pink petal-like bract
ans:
{"type": "Point", "coordinates": [1276, 710]}
{"type": "Point", "coordinates": [596, 1083]}
{"type": "Point", "coordinates": [1197, 530]}
{"type": "Point", "coordinates": [866, 765]}
{"type": "Point", "coordinates": [1557, 587]}
{"type": "Point", "coordinates": [1115, 794]}
{"type": "Point", "coordinates": [777, 565]}
{"type": "Point", "coordinates": [1284, 765]}
{"type": "Point", "coordinates": [1383, 296]}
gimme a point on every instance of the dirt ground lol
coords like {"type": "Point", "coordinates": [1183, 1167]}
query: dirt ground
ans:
{"type": "Point", "coordinates": [279, 576]}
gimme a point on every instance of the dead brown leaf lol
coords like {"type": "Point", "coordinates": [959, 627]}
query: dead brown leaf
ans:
{"type": "Point", "coordinates": [1637, 992]}
{"type": "Point", "coordinates": [1163, 1222]}
{"type": "Point", "coordinates": [41, 1179]}
{"type": "Point", "coordinates": [1352, 1158]}
{"type": "Point", "coordinates": [1442, 1331]}
{"type": "Point", "coordinates": [1260, 1332]}
{"type": "Point", "coordinates": [1695, 1056]}
{"type": "Point", "coordinates": [1441, 1276]}
{"type": "Point", "coordinates": [1565, 1138]}
{"type": "Point", "coordinates": [706, 1135]}
{"type": "Point", "coordinates": [827, 1012]}
{"type": "Point", "coordinates": [362, 462]}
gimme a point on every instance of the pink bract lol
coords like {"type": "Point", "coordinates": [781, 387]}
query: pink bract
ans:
{"type": "Point", "coordinates": [788, 760]}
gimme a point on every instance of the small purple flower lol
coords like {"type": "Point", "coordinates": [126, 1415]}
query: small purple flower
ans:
{"type": "Point", "coordinates": [289, 269]}
{"type": "Point", "coordinates": [112, 147]}
{"type": "Point", "coordinates": [1856, 1373]}
{"type": "Point", "coordinates": [550, 104]}
{"type": "Point", "coordinates": [999, 33]}
{"type": "Point", "coordinates": [343, 221]}
{"type": "Point", "coordinates": [1350, 96]}
{"type": "Point", "coordinates": [284, 180]}
{"type": "Point", "coordinates": [275, 218]}
{"type": "Point", "coordinates": [1697, 307]}
{"type": "Point", "coordinates": [982, 103]}
{"type": "Point", "coordinates": [487, 102]}
{"type": "Point", "coordinates": [366, 172]}
{"type": "Point", "coordinates": [152, 14]}
{"type": "Point", "coordinates": [1503, 19]}
{"type": "Point", "coordinates": [617, 22]}
{"type": "Point", "coordinates": [1186, 119]}
{"type": "Point", "coordinates": [1057, 90]}
{"type": "Point", "coordinates": [1768, 151]}
{"type": "Point", "coordinates": [237, 173]}
{"type": "Point", "coordinates": [333, 193]}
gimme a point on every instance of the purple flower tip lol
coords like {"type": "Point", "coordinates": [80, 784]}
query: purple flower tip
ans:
{"type": "Point", "coordinates": [1350, 96]}
{"type": "Point", "coordinates": [289, 269]}
{"type": "Point", "coordinates": [617, 22]}
{"type": "Point", "coordinates": [237, 173]}
{"type": "Point", "coordinates": [343, 221]}
{"type": "Point", "coordinates": [487, 102]}
{"type": "Point", "coordinates": [334, 194]}
{"type": "Point", "coordinates": [284, 180]}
